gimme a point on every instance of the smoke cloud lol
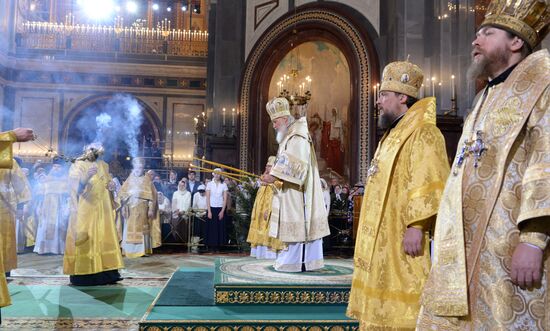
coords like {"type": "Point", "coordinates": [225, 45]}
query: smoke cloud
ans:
{"type": "Point", "coordinates": [115, 124]}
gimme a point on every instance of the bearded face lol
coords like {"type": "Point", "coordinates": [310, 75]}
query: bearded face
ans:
{"type": "Point", "coordinates": [490, 53]}
{"type": "Point", "coordinates": [388, 104]}
{"type": "Point", "coordinates": [281, 128]}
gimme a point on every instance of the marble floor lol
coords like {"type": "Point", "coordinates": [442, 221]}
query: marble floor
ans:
{"type": "Point", "coordinates": [42, 271]}
{"type": "Point", "coordinates": [155, 266]}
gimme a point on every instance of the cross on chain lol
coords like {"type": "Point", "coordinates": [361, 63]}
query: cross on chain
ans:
{"type": "Point", "coordinates": [476, 148]}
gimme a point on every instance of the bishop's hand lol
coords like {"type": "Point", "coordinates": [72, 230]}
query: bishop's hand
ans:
{"type": "Point", "coordinates": [412, 242]}
{"type": "Point", "coordinates": [526, 265]}
{"type": "Point", "coordinates": [266, 178]}
{"type": "Point", "coordinates": [24, 134]}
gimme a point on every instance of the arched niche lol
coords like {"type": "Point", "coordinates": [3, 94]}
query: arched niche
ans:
{"type": "Point", "coordinates": [338, 25]}
{"type": "Point", "coordinates": [82, 118]}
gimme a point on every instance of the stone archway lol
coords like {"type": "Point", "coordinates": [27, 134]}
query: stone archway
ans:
{"type": "Point", "coordinates": [74, 137]}
{"type": "Point", "coordinates": [336, 24]}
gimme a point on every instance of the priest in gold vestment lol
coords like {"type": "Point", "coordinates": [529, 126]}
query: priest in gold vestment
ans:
{"type": "Point", "coordinates": [491, 262]}
{"type": "Point", "coordinates": [298, 218]}
{"type": "Point", "coordinates": [6, 162]}
{"type": "Point", "coordinates": [14, 192]}
{"type": "Point", "coordinates": [137, 196]}
{"type": "Point", "coordinates": [262, 245]}
{"type": "Point", "coordinates": [404, 185]}
{"type": "Point", "coordinates": [92, 253]}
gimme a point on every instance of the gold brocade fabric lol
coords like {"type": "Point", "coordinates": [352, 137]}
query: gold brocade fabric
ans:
{"type": "Point", "coordinates": [5, 299]}
{"type": "Point", "coordinates": [14, 189]}
{"type": "Point", "coordinates": [156, 236]}
{"type": "Point", "coordinates": [92, 243]}
{"type": "Point", "coordinates": [136, 194]}
{"type": "Point", "coordinates": [411, 169]}
{"type": "Point", "coordinates": [6, 149]}
{"type": "Point", "coordinates": [258, 232]}
{"type": "Point", "coordinates": [6, 162]}
{"type": "Point", "coordinates": [510, 185]}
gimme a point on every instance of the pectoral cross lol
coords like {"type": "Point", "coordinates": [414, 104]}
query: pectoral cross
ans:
{"type": "Point", "coordinates": [476, 148]}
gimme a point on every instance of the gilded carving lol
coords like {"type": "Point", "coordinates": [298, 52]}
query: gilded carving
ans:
{"type": "Point", "coordinates": [329, 296]}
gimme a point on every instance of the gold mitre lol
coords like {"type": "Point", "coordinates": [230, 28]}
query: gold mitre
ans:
{"type": "Point", "coordinates": [528, 19]}
{"type": "Point", "coordinates": [278, 107]}
{"type": "Point", "coordinates": [402, 77]}
{"type": "Point", "coordinates": [271, 160]}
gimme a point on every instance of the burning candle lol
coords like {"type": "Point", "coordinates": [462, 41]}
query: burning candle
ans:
{"type": "Point", "coordinates": [233, 117]}
{"type": "Point", "coordinates": [223, 117]}
{"type": "Point", "coordinates": [453, 88]}
{"type": "Point", "coordinates": [433, 86]}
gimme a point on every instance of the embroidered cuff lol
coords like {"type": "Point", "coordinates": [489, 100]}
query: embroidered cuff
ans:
{"type": "Point", "coordinates": [534, 238]}
{"type": "Point", "coordinates": [13, 137]}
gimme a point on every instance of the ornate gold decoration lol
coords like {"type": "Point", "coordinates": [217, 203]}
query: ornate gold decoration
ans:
{"type": "Point", "coordinates": [308, 297]}
{"type": "Point", "coordinates": [263, 45]}
{"type": "Point", "coordinates": [402, 77]}
{"type": "Point", "coordinates": [528, 19]}
{"type": "Point", "coordinates": [114, 38]}
{"type": "Point", "coordinates": [278, 107]}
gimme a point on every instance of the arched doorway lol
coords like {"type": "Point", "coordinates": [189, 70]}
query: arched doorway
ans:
{"type": "Point", "coordinates": [82, 126]}
{"type": "Point", "coordinates": [332, 23]}
{"type": "Point", "coordinates": [328, 110]}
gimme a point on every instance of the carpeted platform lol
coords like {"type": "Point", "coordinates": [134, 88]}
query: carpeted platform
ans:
{"type": "Point", "coordinates": [188, 287]}
{"type": "Point", "coordinates": [303, 304]}
{"type": "Point", "coordinates": [251, 281]}
{"type": "Point", "coordinates": [246, 270]}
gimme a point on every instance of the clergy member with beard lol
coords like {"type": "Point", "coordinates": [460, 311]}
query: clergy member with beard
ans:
{"type": "Point", "coordinates": [92, 253]}
{"type": "Point", "coordinates": [403, 188]}
{"type": "Point", "coordinates": [491, 262]}
{"type": "Point", "coordinates": [301, 219]}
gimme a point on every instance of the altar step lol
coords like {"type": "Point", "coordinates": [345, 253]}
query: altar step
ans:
{"type": "Point", "coordinates": [245, 281]}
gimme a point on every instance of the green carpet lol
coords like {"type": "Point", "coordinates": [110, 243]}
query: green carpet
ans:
{"type": "Point", "coordinates": [37, 301]}
{"type": "Point", "coordinates": [240, 271]}
{"type": "Point", "coordinates": [189, 285]}
{"type": "Point", "coordinates": [249, 312]}
{"type": "Point", "coordinates": [188, 288]}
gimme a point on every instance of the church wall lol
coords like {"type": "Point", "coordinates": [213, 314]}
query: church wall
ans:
{"type": "Point", "coordinates": [44, 95]}
{"type": "Point", "coordinates": [225, 65]}
{"type": "Point", "coordinates": [6, 7]}
{"type": "Point", "coordinates": [1, 102]}
{"type": "Point", "coordinates": [438, 36]}
{"type": "Point", "coordinates": [261, 14]}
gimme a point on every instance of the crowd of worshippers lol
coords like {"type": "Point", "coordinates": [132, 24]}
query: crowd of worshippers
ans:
{"type": "Point", "coordinates": [340, 202]}
{"type": "Point", "coordinates": [145, 198]}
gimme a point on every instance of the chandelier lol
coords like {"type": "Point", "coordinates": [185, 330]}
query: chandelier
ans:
{"type": "Point", "coordinates": [297, 91]}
